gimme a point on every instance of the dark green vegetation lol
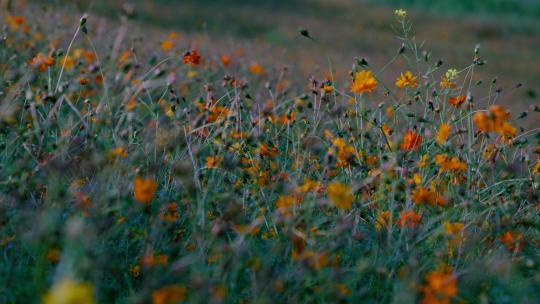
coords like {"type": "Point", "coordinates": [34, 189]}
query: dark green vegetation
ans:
{"type": "Point", "coordinates": [143, 166]}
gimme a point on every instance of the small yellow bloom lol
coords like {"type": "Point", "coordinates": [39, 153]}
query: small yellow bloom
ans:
{"type": "Point", "coordinates": [451, 74]}
{"type": "Point", "coordinates": [328, 88]}
{"type": "Point", "coordinates": [453, 229]}
{"type": "Point", "coordinates": [443, 133]}
{"type": "Point", "coordinates": [68, 62]}
{"type": "Point", "coordinates": [192, 74]}
{"type": "Point", "coordinates": [284, 203]}
{"type": "Point", "coordinates": [423, 161]}
{"type": "Point", "coordinates": [340, 195]}
{"type": "Point", "coordinates": [400, 13]}
{"type": "Point", "coordinates": [536, 168]}
{"type": "Point", "coordinates": [417, 179]}
{"type": "Point", "coordinates": [118, 152]}
{"type": "Point", "coordinates": [68, 292]}
{"type": "Point", "coordinates": [407, 80]}
{"type": "Point", "coordinates": [384, 219]}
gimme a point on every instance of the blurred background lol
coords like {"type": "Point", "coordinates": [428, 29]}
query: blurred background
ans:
{"type": "Point", "coordinates": [266, 31]}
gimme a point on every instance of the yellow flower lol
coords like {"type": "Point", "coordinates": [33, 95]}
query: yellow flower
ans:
{"type": "Point", "coordinates": [340, 195]}
{"type": "Point", "coordinates": [451, 74]}
{"type": "Point", "coordinates": [384, 219]}
{"type": "Point", "coordinates": [447, 83]}
{"type": "Point", "coordinates": [400, 13]}
{"type": "Point", "coordinates": [407, 79]}
{"type": "Point", "coordinates": [442, 134]}
{"type": "Point", "coordinates": [118, 152]}
{"type": "Point", "coordinates": [536, 168]}
{"type": "Point", "coordinates": [192, 74]}
{"type": "Point", "coordinates": [328, 88]}
{"type": "Point", "coordinates": [68, 62]}
{"type": "Point", "coordinates": [284, 203]}
{"type": "Point", "coordinates": [69, 292]}
{"type": "Point", "coordinates": [453, 229]}
{"type": "Point", "coordinates": [363, 82]}
{"type": "Point", "coordinates": [417, 178]}
{"type": "Point", "coordinates": [423, 161]}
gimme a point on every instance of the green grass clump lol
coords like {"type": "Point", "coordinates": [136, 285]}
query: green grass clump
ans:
{"type": "Point", "coordinates": [147, 170]}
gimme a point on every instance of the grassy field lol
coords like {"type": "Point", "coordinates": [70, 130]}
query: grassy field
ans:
{"type": "Point", "coordinates": [346, 29]}
{"type": "Point", "coordinates": [205, 152]}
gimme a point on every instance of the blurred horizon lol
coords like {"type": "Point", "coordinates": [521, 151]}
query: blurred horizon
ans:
{"type": "Point", "coordinates": [266, 31]}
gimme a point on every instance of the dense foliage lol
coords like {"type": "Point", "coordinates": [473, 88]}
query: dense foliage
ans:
{"type": "Point", "coordinates": [136, 171]}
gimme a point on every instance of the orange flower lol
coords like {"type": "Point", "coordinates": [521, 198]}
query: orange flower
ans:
{"type": "Point", "coordinates": [192, 57]}
{"type": "Point", "coordinates": [219, 293]}
{"type": "Point", "coordinates": [53, 255]}
{"type": "Point", "coordinates": [150, 259]}
{"type": "Point", "coordinates": [454, 231]}
{"type": "Point", "coordinates": [90, 56]}
{"type": "Point", "coordinates": [42, 61]}
{"type": "Point", "coordinates": [98, 79]}
{"type": "Point", "coordinates": [213, 161]}
{"type": "Point", "coordinates": [453, 164]}
{"type": "Point", "coordinates": [169, 294]}
{"type": "Point", "coordinates": [443, 133]}
{"type": "Point", "coordinates": [170, 214]}
{"type": "Point", "coordinates": [512, 240]}
{"type": "Point", "coordinates": [345, 153]}
{"type": "Point", "coordinates": [283, 119]}
{"type": "Point", "coordinates": [495, 120]}
{"type": "Point", "coordinates": [327, 88]}
{"type": "Point", "coordinates": [457, 101]}
{"type": "Point", "coordinates": [267, 151]}
{"type": "Point", "coordinates": [407, 79]}
{"type": "Point", "coordinates": [424, 195]}
{"type": "Point", "coordinates": [225, 60]}
{"type": "Point", "coordinates": [536, 168]}
{"type": "Point", "coordinates": [144, 189]}
{"type": "Point", "coordinates": [217, 112]}
{"type": "Point", "coordinates": [83, 80]}
{"type": "Point", "coordinates": [409, 218]}
{"type": "Point", "coordinates": [167, 46]}
{"type": "Point", "coordinates": [124, 57]}
{"type": "Point", "coordinates": [440, 286]}
{"type": "Point", "coordinates": [340, 195]}
{"type": "Point", "coordinates": [15, 22]}
{"type": "Point", "coordinates": [256, 69]}
{"type": "Point", "coordinates": [411, 141]}
{"type": "Point", "coordinates": [363, 82]}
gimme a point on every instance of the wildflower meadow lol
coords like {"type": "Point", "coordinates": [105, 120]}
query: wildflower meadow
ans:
{"type": "Point", "coordinates": [137, 166]}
